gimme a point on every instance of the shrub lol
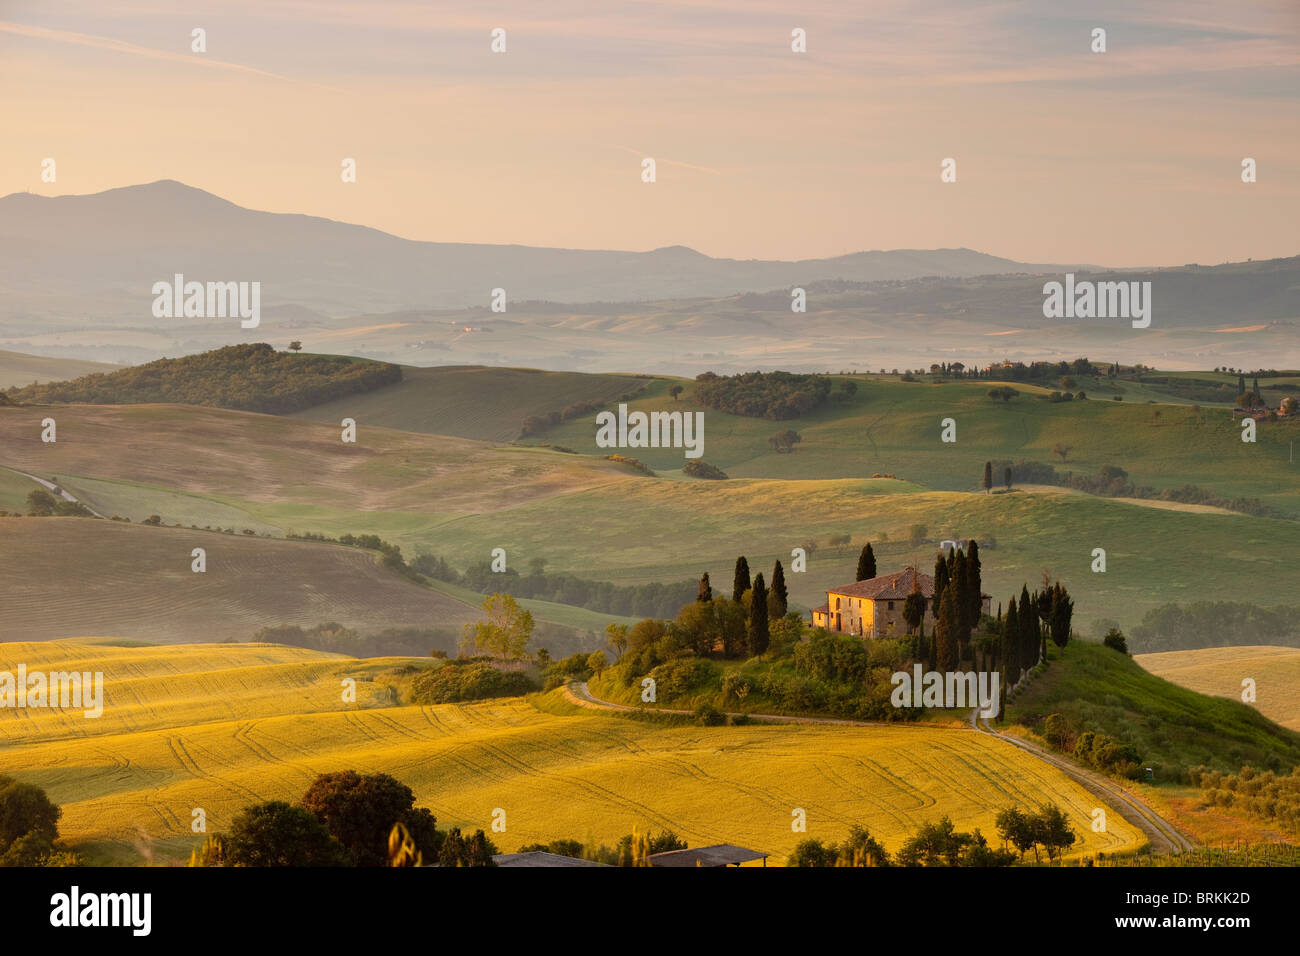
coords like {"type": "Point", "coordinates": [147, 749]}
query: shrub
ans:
{"type": "Point", "coordinates": [457, 681]}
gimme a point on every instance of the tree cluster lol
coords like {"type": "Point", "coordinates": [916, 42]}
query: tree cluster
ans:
{"type": "Point", "coordinates": [344, 819]}
{"type": "Point", "coordinates": [252, 378]}
{"type": "Point", "coordinates": [773, 395]}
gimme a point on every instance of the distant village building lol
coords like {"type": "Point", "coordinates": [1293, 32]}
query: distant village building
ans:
{"type": "Point", "coordinates": [874, 608]}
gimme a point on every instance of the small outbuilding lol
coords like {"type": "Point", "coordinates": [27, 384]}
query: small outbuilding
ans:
{"type": "Point", "coordinates": [724, 854]}
{"type": "Point", "coordinates": [540, 858]}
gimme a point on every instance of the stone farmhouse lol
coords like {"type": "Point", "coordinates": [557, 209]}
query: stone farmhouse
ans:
{"type": "Point", "coordinates": [874, 608]}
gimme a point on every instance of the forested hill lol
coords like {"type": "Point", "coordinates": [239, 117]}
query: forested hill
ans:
{"type": "Point", "coordinates": [251, 378]}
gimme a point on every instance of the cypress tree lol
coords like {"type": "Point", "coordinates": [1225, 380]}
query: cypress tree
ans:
{"type": "Point", "coordinates": [705, 594]}
{"type": "Point", "coordinates": [1241, 384]}
{"type": "Point", "coordinates": [973, 582]}
{"type": "Point", "coordinates": [1011, 642]}
{"type": "Point", "coordinates": [741, 583]}
{"type": "Point", "coordinates": [1256, 387]}
{"type": "Point", "coordinates": [758, 631]}
{"type": "Point", "coordinates": [945, 633]}
{"type": "Point", "coordinates": [960, 586]}
{"type": "Point", "coordinates": [988, 477]}
{"type": "Point", "coordinates": [866, 564]}
{"type": "Point", "coordinates": [1027, 616]}
{"type": "Point", "coordinates": [779, 592]}
{"type": "Point", "coordinates": [940, 581]}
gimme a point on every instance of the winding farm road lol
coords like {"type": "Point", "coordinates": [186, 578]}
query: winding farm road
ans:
{"type": "Point", "coordinates": [1164, 836]}
{"type": "Point", "coordinates": [51, 486]}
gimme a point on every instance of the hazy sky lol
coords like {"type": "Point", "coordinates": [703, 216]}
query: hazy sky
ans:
{"type": "Point", "coordinates": [1131, 157]}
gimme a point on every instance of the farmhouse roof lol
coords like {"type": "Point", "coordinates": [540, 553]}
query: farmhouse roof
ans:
{"type": "Point", "coordinates": [724, 854]}
{"type": "Point", "coordinates": [896, 586]}
{"type": "Point", "coordinates": [540, 858]}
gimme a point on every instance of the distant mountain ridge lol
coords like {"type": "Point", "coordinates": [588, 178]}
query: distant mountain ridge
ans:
{"type": "Point", "coordinates": [120, 241]}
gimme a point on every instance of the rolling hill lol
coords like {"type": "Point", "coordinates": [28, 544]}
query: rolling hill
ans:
{"type": "Point", "coordinates": [19, 369]}
{"type": "Point", "coordinates": [1219, 672]}
{"type": "Point", "coordinates": [461, 499]}
{"type": "Point", "coordinates": [477, 402]}
{"type": "Point", "coordinates": [220, 728]}
{"type": "Point", "coordinates": [63, 575]}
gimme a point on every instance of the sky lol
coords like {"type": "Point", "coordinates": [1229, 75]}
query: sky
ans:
{"type": "Point", "coordinates": [1131, 157]}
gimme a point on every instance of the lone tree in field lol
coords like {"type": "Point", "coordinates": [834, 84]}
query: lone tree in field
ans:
{"type": "Point", "coordinates": [1062, 449]}
{"type": "Point", "coordinates": [988, 477]}
{"type": "Point", "coordinates": [783, 442]}
{"type": "Point", "coordinates": [506, 631]}
{"type": "Point", "coordinates": [866, 564]}
{"type": "Point", "coordinates": [780, 597]}
{"type": "Point", "coordinates": [1006, 477]}
{"type": "Point", "coordinates": [705, 593]}
{"type": "Point", "coordinates": [757, 633]}
{"type": "Point", "coordinates": [740, 583]}
{"type": "Point", "coordinates": [295, 346]}
{"type": "Point", "coordinates": [675, 391]}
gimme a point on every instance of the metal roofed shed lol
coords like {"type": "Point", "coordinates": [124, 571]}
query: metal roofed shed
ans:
{"type": "Point", "coordinates": [540, 858]}
{"type": "Point", "coordinates": [724, 854]}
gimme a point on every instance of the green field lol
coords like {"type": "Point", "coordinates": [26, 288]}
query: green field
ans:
{"type": "Point", "coordinates": [461, 499]}
{"type": "Point", "coordinates": [1172, 727]}
{"type": "Point", "coordinates": [472, 401]}
{"type": "Point", "coordinates": [892, 427]}
{"type": "Point", "coordinates": [221, 727]}
{"type": "Point", "coordinates": [65, 575]}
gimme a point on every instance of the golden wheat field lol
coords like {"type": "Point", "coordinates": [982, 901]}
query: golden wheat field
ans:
{"type": "Point", "coordinates": [218, 727]}
{"type": "Point", "coordinates": [1219, 671]}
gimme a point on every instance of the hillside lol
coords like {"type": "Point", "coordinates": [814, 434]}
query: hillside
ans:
{"type": "Point", "coordinates": [1219, 672]}
{"type": "Point", "coordinates": [487, 404]}
{"type": "Point", "coordinates": [253, 378]}
{"type": "Point", "coordinates": [460, 499]}
{"type": "Point", "coordinates": [18, 369]}
{"type": "Point", "coordinates": [223, 727]}
{"type": "Point", "coordinates": [893, 427]}
{"type": "Point", "coordinates": [1172, 728]}
{"type": "Point", "coordinates": [66, 577]}
{"type": "Point", "coordinates": [135, 235]}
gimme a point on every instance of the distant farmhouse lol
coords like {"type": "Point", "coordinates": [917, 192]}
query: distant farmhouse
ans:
{"type": "Point", "coordinates": [874, 608]}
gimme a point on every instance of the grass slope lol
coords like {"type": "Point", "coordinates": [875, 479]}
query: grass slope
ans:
{"type": "Point", "coordinates": [223, 727]}
{"type": "Point", "coordinates": [1219, 671]}
{"type": "Point", "coordinates": [1173, 728]}
{"type": "Point", "coordinates": [70, 576]}
{"type": "Point", "coordinates": [462, 499]}
{"type": "Point", "coordinates": [894, 427]}
{"type": "Point", "coordinates": [472, 401]}
{"type": "Point", "coordinates": [20, 369]}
